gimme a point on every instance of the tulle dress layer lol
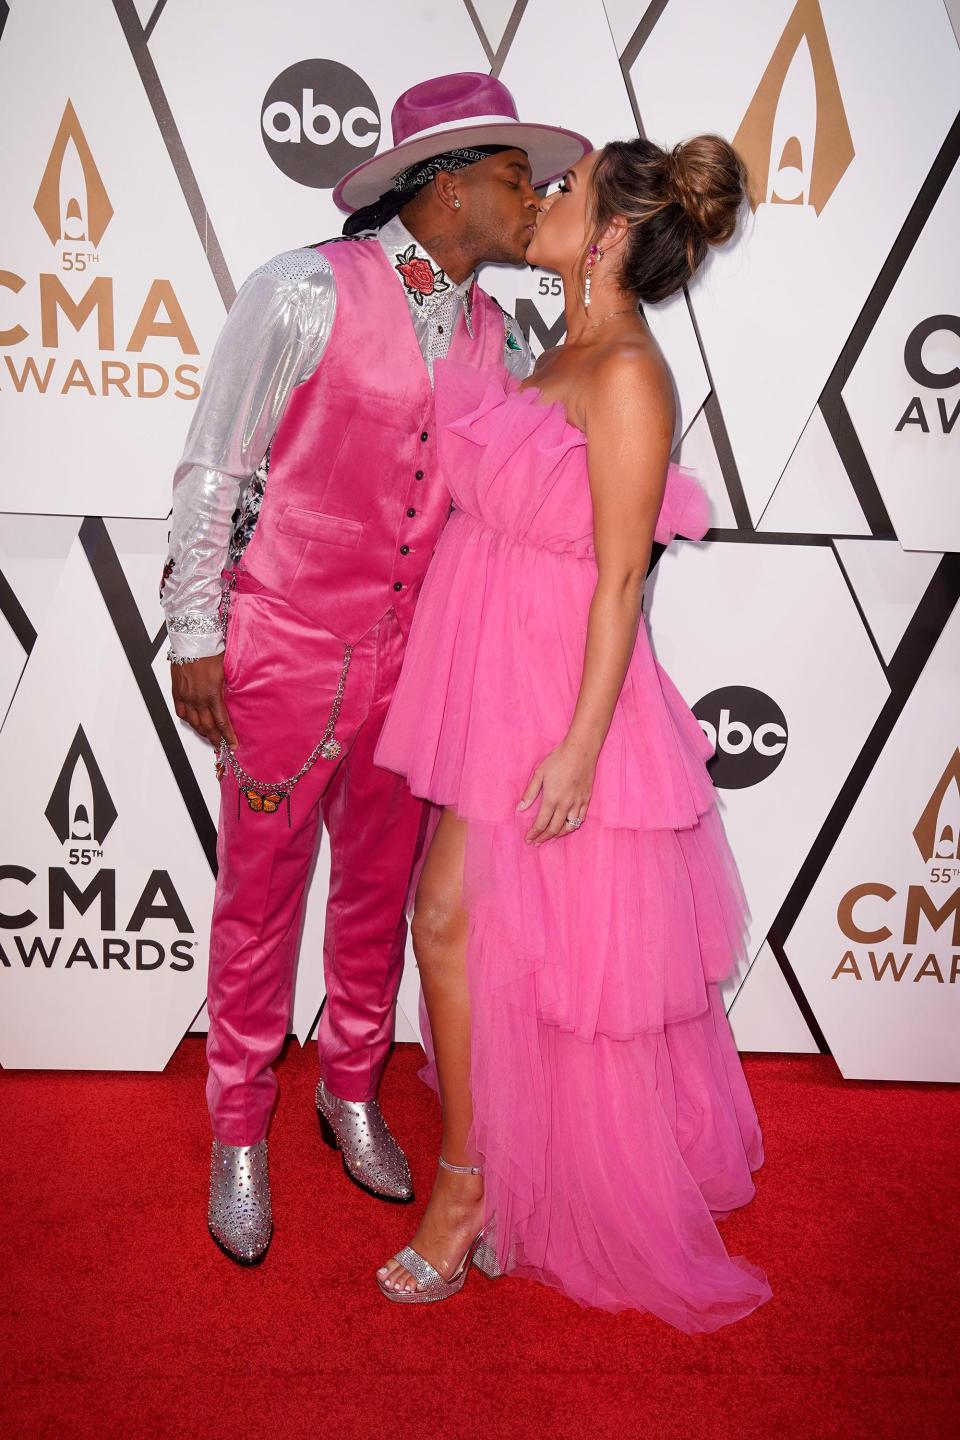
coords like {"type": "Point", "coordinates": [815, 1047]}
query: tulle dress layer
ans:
{"type": "Point", "coordinates": [611, 1112]}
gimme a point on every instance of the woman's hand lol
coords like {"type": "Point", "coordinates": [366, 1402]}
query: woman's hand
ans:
{"type": "Point", "coordinates": [565, 778]}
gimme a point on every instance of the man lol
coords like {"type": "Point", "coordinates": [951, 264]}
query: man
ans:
{"type": "Point", "coordinates": [306, 508]}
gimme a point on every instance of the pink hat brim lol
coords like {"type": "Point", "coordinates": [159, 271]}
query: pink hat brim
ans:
{"type": "Point", "coordinates": [550, 150]}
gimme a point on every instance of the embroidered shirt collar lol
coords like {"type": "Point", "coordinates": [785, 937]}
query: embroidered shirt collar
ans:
{"type": "Point", "coordinates": [425, 284]}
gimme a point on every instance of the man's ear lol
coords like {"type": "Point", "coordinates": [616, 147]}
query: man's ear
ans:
{"type": "Point", "coordinates": [445, 185]}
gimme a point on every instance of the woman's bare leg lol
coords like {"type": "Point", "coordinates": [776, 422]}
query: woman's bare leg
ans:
{"type": "Point", "coordinates": [454, 1211]}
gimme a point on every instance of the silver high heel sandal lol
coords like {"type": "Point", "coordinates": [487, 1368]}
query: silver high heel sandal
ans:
{"type": "Point", "coordinates": [431, 1285]}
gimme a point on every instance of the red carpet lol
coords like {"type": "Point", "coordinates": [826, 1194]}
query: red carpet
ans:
{"type": "Point", "coordinates": [120, 1318]}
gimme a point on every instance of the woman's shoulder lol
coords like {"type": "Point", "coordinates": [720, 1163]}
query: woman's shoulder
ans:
{"type": "Point", "coordinates": [630, 376]}
{"type": "Point", "coordinates": [629, 360]}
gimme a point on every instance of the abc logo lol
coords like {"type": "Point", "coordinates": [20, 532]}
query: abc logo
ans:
{"type": "Point", "coordinates": [318, 120]}
{"type": "Point", "coordinates": [748, 732]}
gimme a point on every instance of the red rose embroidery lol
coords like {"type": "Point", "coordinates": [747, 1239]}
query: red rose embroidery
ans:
{"type": "Point", "coordinates": [418, 275]}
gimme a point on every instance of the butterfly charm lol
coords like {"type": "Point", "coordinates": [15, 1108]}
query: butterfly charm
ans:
{"type": "Point", "coordinates": [266, 804]}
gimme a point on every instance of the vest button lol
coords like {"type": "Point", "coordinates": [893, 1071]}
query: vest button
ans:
{"type": "Point", "coordinates": [424, 435]}
{"type": "Point", "coordinates": [404, 549]}
{"type": "Point", "coordinates": [397, 585]}
{"type": "Point", "coordinates": [411, 512]}
{"type": "Point", "coordinates": [419, 475]}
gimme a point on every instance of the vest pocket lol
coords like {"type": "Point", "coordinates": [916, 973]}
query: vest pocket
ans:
{"type": "Point", "coordinates": [312, 525]}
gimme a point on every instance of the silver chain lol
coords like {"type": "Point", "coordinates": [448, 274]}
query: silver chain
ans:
{"type": "Point", "coordinates": [327, 748]}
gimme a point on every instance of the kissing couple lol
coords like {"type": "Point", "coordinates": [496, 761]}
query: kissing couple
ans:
{"type": "Point", "coordinates": [404, 597]}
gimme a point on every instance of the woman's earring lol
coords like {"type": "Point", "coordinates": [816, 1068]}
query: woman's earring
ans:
{"type": "Point", "coordinates": [595, 254]}
{"type": "Point", "coordinates": [456, 204]}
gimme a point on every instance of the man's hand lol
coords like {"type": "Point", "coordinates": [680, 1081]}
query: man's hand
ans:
{"type": "Point", "coordinates": [198, 699]}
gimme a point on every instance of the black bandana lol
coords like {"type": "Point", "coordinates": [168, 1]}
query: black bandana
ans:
{"type": "Point", "coordinates": [412, 180]}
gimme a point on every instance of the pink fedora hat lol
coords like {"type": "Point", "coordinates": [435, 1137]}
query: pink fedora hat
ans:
{"type": "Point", "coordinates": [447, 113]}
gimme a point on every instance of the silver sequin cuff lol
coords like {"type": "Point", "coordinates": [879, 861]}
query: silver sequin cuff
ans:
{"type": "Point", "coordinates": [193, 624]}
{"type": "Point", "coordinates": [194, 636]}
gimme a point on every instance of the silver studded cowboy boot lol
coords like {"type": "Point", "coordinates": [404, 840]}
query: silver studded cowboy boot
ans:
{"type": "Point", "coordinates": [371, 1157]}
{"type": "Point", "coordinates": [240, 1215]}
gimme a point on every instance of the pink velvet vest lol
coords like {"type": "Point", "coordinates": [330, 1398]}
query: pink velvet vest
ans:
{"type": "Point", "coordinates": [354, 505]}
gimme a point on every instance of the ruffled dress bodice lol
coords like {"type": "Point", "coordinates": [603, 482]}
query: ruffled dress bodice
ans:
{"type": "Point", "coordinates": [514, 462]}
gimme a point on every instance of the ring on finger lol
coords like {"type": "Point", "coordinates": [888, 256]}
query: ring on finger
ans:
{"type": "Point", "coordinates": [574, 821]}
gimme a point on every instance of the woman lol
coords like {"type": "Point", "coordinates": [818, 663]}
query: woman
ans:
{"type": "Point", "coordinates": [578, 902]}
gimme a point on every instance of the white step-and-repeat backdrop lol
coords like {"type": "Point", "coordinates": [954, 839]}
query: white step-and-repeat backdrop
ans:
{"type": "Point", "coordinates": [156, 152]}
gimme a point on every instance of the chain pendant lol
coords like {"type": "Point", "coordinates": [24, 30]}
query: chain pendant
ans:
{"type": "Point", "coordinates": [266, 799]}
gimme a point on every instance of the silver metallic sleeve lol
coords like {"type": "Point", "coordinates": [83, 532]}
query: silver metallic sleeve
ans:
{"type": "Point", "coordinates": [517, 355]}
{"type": "Point", "coordinates": [273, 339]}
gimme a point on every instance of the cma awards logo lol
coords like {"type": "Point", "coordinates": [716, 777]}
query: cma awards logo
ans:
{"type": "Point", "coordinates": [81, 813]}
{"type": "Point", "coordinates": [76, 295]}
{"type": "Point", "coordinates": [794, 137]}
{"type": "Point", "coordinates": [748, 732]}
{"type": "Point", "coordinates": [318, 120]}
{"type": "Point", "coordinates": [72, 203]}
{"type": "Point", "coordinates": [80, 807]}
{"type": "Point", "coordinates": [931, 357]}
{"type": "Point", "coordinates": [865, 910]}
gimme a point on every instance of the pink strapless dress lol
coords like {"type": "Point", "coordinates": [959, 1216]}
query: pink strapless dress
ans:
{"type": "Point", "coordinates": [611, 1112]}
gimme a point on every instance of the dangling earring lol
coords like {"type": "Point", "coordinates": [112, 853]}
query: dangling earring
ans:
{"type": "Point", "coordinates": [595, 254]}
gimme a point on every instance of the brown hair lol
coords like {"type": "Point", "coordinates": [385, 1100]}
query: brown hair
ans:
{"type": "Point", "coordinates": [676, 202]}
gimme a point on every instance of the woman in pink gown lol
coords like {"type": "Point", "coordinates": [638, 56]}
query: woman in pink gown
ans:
{"type": "Point", "coordinates": [578, 903]}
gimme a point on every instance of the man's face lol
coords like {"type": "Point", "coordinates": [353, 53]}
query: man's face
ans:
{"type": "Point", "coordinates": [500, 207]}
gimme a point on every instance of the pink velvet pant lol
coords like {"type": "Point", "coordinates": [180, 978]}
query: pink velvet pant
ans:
{"type": "Point", "coordinates": [281, 676]}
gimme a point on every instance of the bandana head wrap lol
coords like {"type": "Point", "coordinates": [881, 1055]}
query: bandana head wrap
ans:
{"type": "Point", "coordinates": [410, 181]}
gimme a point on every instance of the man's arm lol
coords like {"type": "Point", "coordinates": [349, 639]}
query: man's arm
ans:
{"type": "Point", "coordinates": [517, 355]}
{"type": "Point", "coordinates": [273, 339]}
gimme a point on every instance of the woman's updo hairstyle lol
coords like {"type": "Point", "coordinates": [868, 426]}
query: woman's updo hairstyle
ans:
{"type": "Point", "coordinates": [676, 203]}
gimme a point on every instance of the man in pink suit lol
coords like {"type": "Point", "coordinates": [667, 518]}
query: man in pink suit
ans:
{"type": "Point", "coordinates": [305, 511]}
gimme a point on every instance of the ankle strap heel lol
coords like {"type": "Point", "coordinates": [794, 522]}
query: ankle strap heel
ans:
{"type": "Point", "coordinates": [485, 1253]}
{"type": "Point", "coordinates": [430, 1285]}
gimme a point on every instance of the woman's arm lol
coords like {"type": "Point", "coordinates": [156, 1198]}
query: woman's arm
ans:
{"type": "Point", "coordinates": [629, 427]}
